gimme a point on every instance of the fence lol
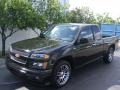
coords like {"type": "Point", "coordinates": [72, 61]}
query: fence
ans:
{"type": "Point", "coordinates": [111, 29]}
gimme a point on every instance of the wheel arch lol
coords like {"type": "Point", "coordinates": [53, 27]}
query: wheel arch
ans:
{"type": "Point", "coordinates": [112, 46]}
{"type": "Point", "coordinates": [68, 59]}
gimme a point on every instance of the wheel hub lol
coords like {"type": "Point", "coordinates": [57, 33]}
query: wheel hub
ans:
{"type": "Point", "coordinates": [63, 74]}
{"type": "Point", "coordinates": [111, 55]}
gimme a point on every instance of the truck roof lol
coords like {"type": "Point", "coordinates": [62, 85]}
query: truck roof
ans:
{"type": "Point", "coordinates": [78, 24]}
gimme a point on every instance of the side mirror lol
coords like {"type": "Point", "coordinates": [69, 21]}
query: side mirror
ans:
{"type": "Point", "coordinates": [83, 40]}
{"type": "Point", "coordinates": [42, 35]}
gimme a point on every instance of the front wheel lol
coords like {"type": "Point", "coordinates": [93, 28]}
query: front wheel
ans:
{"type": "Point", "coordinates": [108, 58]}
{"type": "Point", "coordinates": [61, 74]}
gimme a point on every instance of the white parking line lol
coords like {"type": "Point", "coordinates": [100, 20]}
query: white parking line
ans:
{"type": "Point", "coordinates": [114, 87]}
{"type": "Point", "coordinates": [119, 43]}
{"type": "Point", "coordinates": [22, 88]}
{"type": "Point", "coordinates": [2, 66]}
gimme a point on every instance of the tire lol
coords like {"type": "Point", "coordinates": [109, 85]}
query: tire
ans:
{"type": "Point", "coordinates": [61, 74]}
{"type": "Point", "coordinates": [108, 58]}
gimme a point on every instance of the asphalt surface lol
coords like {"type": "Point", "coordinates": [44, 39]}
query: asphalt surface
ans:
{"type": "Point", "coordinates": [95, 76]}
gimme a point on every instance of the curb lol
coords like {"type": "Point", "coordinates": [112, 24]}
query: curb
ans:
{"type": "Point", "coordinates": [2, 63]}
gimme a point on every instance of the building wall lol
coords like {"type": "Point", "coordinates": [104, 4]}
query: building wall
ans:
{"type": "Point", "coordinates": [63, 2]}
{"type": "Point", "coordinates": [18, 36]}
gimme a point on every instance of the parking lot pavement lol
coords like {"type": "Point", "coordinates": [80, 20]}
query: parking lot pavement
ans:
{"type": "Point", "coordinates": [119, 43]}
{"type": "Point", "coordinates": [2, 61]}
{"type": "Point", "coordinates": [6, 78]}
{"type": "Point", "coordinates": [95, 76]}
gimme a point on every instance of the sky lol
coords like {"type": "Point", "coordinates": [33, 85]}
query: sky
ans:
{"type": "Point", "coordinates": [99, 6]}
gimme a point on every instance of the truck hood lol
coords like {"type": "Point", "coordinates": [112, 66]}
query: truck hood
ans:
{"type": "Point", "coordinates": [37, 44]}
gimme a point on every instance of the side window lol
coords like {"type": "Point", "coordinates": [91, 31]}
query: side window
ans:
{"type": "Point", "coordinates": [86, 34]}
{"type": "Point", "coordinates": [96, 32]}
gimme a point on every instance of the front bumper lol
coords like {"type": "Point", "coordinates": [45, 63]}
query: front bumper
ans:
{"type": "Point", "coordinates": [22, 71]}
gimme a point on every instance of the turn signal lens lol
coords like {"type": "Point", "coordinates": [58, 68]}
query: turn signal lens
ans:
{"type": "Point", "coordinates": [46, 56]}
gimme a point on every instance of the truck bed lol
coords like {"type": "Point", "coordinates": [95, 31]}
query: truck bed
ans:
{"type": "Point", "coordinates": [111, 40]}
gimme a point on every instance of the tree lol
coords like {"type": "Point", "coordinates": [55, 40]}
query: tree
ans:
{"type": "Point", "coordinates": [16, 15]}
{"type": "Point", "coordinates": [118, 20]}
{"type": "Point", "coordinates": [105, 18]}
{"type": "Point", "coordinates": [81, 15]}
{"type": "Point", "coordinates": [51, 10]}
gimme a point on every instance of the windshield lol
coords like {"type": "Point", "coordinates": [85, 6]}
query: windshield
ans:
{"type": "Point", "coordinates": [65, 33]}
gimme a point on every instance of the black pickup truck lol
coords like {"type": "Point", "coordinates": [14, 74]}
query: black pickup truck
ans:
{"type": "Point", "coordinates": [58, 51]}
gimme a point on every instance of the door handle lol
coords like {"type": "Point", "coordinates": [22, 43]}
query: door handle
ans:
{"type": "Point", "coordinates": [93, 44]}
{"type": "Point", "coordinates": [88, 46]}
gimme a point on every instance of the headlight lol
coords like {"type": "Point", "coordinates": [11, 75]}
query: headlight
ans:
{"type": "Point", "coordinates": [40, 56]}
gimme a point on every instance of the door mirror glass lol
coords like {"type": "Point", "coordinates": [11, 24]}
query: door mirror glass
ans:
{"type": "Point", "coordinates": [42, 34]}
{"type": "Point", "coordinates": [86, 36]}
{"type": "Point", "coordinates": [83, 40]}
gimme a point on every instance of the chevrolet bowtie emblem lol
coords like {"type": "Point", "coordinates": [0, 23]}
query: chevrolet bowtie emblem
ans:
{"type": "Point", "coordinates": [17, 55]}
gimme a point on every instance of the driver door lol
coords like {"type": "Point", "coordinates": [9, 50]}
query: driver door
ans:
{"type": "Point", "coordinates": [83, 49]}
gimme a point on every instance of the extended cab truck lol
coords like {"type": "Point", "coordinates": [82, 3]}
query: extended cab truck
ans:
{"type": "Point", "coordinates": [58, 51]}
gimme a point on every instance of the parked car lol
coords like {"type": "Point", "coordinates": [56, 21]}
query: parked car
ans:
{"type": "Point", "coordinates": [58, 51]}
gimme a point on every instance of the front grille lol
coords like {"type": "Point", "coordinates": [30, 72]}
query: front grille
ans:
{"type": "Point", "coordinates": [22, 58]}
{"type": "Point", "coordinates": [21, 52]}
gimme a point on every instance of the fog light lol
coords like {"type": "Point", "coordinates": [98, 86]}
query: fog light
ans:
{"type": "Point", "coordinates": [22, 71]}
{"type": "Point", "coordinates": [37, 77]}
{"type": "Point", "coordinates": [38, 64]}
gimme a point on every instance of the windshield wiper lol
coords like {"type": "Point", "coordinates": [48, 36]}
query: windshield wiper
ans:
{"type": "Point", "coordinates": [58, 39]}
{"type": "Point", "coordinates": [42, 35]}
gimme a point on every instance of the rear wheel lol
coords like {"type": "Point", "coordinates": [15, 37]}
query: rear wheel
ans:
{"type": "Point", "coordinates": [108, 58]}
{"type": "Point", "coordinates": [61, 74]}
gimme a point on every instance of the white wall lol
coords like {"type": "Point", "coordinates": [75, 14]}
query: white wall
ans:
{"type": "Point", "coordinates": [63, 2]}
{"type": "Point", "coordinates": [18, 36]}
